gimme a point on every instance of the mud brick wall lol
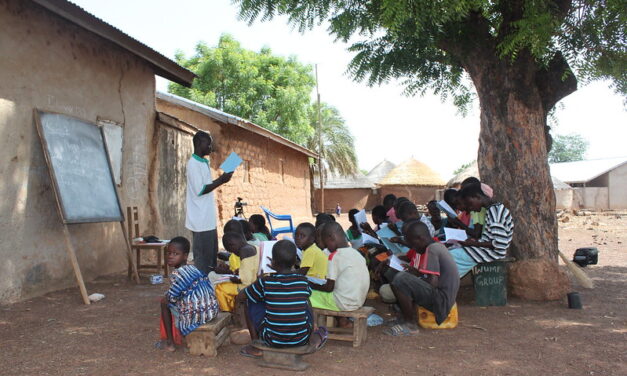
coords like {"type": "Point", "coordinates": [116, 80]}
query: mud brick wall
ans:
{"type": "Point", "coordinates": [358, 198]}
{"type": "Point", "coordinates": [272, 175]}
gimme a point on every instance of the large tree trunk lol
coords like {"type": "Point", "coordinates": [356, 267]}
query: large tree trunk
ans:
{"type": "Point", "coordinates": [513, 160]}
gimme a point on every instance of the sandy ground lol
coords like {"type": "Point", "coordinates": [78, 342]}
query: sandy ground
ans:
{"type": "Point", "coordinates": [57, 335]}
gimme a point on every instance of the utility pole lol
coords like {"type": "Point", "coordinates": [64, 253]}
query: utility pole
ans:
{"type": "Point", "coordinates": [320, 168]}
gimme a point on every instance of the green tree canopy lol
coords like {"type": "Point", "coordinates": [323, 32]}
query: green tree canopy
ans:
{"type": "Point", "coordinates": [268, 90]}
{"type": "Point", "coordinates": [521, 57]}
{"type": "Point", "coordinates": [568, 148]}
{"type": "Point", "coordinates": [338, 148]}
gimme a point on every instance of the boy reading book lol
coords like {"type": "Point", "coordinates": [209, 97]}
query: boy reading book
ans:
{"type": "Point", "coordinates": [314, 262]}
{"type": "Point", "coordinates": [226, 292]}
{"type": "Point", "coordinates": [347, 280]}
{"type": "Point", "coordinates": [433, 284]}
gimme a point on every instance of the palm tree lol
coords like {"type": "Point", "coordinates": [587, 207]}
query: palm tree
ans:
{"type": "Point", "coordinates": [338, 148]}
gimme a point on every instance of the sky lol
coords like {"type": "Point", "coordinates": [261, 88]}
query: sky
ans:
{"type": "Point", "coordinates": [385, 124]}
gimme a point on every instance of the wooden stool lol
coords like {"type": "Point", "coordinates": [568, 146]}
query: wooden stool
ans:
{"type": "Point", "coordinates": [206, 339]}
{"type": "Point", "coordinates": [161, 266]}
{"type": "Point", "coordinates": [290, 358]}
{"type": "Point", "coordinates": [357, 334]}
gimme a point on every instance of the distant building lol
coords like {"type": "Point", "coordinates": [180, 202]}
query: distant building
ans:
{"type": "Point", "coordinates": [380, 171]}
{"type": "Point", "coordinates": [412, 179]}
{"type": "Point", "coordinates": [599, 183]}
{"type": "Point", "coordinates": [353, 191]}
{"type": "Point", "coordinates": [275, 172]}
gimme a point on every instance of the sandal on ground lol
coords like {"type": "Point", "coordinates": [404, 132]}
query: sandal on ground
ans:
{"type": "Point", "coordinates": [245, 351]}
{"type": "Point", "coordinates": [323, 332]}
{"type": "Point", "coordinates": [400, 330]}
{"type": "Point", "coordinates": [393, 322]}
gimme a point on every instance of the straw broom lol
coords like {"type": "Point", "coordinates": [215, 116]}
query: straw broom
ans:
{"type": "Point", "coordinates": [579, 274]}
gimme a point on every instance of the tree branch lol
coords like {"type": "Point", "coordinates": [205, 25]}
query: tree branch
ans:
{"type": "Point", "coordinates": [555, 81]}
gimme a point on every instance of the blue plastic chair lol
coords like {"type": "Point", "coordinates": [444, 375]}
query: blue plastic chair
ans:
{"type": "Point", "coordinates": [278, 217]}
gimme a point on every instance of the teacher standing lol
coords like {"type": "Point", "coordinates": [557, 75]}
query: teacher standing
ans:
{"type": "Point", "coordinates": [200, 218]}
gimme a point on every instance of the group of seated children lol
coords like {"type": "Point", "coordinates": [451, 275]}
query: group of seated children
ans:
{"type": "Point", "coordinates": [331, 274]}
{"type": "Point", "coordinates": [276, 307]}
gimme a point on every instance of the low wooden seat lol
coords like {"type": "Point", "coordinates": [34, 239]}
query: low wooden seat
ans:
{"type": "Point", "coordinates": [357, 334]}
{"type": "Point", "coordinates": [290, 358]}
{"type": "Point", "coordinates": [206, 339]}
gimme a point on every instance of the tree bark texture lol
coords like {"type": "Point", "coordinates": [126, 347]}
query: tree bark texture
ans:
{"type": "Point", "coordinates": [515, 97]}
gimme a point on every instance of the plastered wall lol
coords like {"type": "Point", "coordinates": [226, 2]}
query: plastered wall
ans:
{"type": "Point", "coordinates": [48, 63]}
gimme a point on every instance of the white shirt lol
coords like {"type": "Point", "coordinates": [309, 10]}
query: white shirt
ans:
{"type": "Point", "coordinates": [201, 209]}
{"type": "Point", "coordinates": [347, 267]}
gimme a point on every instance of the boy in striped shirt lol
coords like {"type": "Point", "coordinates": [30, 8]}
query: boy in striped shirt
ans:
{"type": "Point", "coordinates": [496, 235]}
{"type": "Point", "coordinates": [278, 311]}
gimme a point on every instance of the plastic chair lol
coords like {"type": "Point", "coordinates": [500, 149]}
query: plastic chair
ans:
{"type": "Point", "coordinates": [279, 230]}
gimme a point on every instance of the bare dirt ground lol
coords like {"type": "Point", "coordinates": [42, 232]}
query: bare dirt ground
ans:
{"type": "Point", "coordinates": [57, 335]}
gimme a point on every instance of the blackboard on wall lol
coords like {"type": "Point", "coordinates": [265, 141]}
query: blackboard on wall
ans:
{"type": "Point", "coordinates": [77, 157]}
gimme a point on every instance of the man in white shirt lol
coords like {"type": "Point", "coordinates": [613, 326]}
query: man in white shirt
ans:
{"type": "Point", "coordinates": [201, 207]}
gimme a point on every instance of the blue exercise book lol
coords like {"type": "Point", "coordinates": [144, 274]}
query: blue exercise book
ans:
{"type": "Point", "coordinates": [385, 234]}
{"type": "Point", "coordinates": [231, 162]}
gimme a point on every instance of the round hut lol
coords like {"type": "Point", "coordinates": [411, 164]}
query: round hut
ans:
{"type": "Point", "coordinates": [414, 180]}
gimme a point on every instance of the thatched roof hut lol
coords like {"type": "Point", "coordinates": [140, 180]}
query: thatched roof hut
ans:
{"type": "Point", "coordinates": [380, 171]}
{"type": "Point", "coordinates": [413, 172]}
{"type": "Point", "coordinates": [412, 179]}
{"type": "Point", "coordinates": [470, 171]}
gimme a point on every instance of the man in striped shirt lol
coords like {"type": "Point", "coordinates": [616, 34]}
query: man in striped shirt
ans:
{"type": "Point", "coordinates": [278, 309]}
{"type": "Point", "coordinates": [496, 235]}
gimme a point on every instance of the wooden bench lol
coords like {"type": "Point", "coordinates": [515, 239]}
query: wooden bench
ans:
{"type": "Point", "coordinates": [357, 334]}
{"type": "Point", "coordinates": [206, 339]}
{"type": "Point", "coordinates": [290, 358]}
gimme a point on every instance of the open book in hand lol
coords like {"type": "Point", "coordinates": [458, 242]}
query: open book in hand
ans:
{"type": "Point", "coordinates": [443, 205]}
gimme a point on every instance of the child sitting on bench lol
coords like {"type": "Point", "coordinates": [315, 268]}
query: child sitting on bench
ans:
{"type": "Point", "coordinates": [348, 279]}
{"type": "Point", "coordinates": [226, 292]}
{"type": "Point", "coordinates": [432, 285]}
{"type": "Point", "coordinates": [278, 310]}
{"type": "Point", "coordinates": [190, 298]}
{"type": "Point", "coordinates": [314, 262]}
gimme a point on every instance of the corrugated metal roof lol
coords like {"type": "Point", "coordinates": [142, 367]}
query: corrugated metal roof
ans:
{"type": "Point", "coordinates": [380, 171]}
{"type": "Point", "coordinates": [226, 118]}
{"type": "Point", "coordinates": [584, 171]}
{"type": "Point", "coordinates": [161, 65]}
{"type": "Point", "coordinates": [333, 181]}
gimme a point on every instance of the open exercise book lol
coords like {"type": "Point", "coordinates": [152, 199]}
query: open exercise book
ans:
{"type": "Point", "coordinates": [397, 263]}
{"type": "Point", "coordinates": [385, 234]}
{"type": "Point", "coordinates": [455, 234]}
{"type": "Point", "coordinates": [443, 205]}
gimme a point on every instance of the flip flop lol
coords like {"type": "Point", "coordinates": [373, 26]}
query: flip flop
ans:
{"type": "Point", "coordinates": [244, 352]}
{"type": "Point", "coordinates": [400, 330]}
{"type": "Point", "coordinates": [323, 332]}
